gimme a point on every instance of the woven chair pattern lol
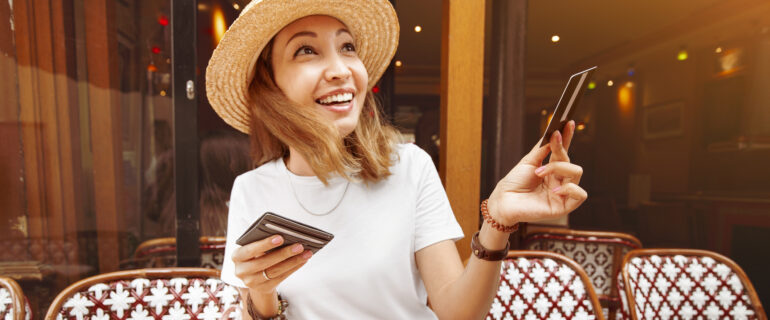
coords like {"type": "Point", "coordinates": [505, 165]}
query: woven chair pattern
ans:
{"type": "Point", "coordinates": [599, 256]}
{"type": "Point", "coordinates": [185, 298]}
{"type": "Point", "coordinates": [543, 287]}
{"type": "Point", "coordinates": [688, 286]}
{"type": "Point", "coordinates": [11, 297]}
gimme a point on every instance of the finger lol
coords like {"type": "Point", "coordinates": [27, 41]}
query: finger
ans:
{"type": "Point", "coordinates": [250, 271]}
{"type": "Point", "coordinates": [567, 170]}
{"type": "Point", "coordinates": [569, 133]}
{"type": "Point", "coordinates": [289, 264]}
{"type": "Point", "coordinates": [558, 153]}
{"type": "Point", "coordinates": [536, 156]}
{"type": "Point", "coordinates": [575, 195]}
{"type": "Point", "coordinates": [273, 258]}
{"type": "Point", "coordinates": [256, 248]}
{"type": "Point", "coordinates": [274, 282]}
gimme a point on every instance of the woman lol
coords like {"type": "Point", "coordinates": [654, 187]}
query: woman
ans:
{"type": "Point", "coordinates": [296, 75]}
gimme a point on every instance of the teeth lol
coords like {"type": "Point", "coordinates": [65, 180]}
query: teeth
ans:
{"type": "Point", "coordinates": [342, 97]}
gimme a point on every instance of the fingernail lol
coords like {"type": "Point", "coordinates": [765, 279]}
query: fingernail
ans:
{"type": "Point", "coordinates": [307, 254]}
{"type": "Point", "coordinates": [556, 189]}
{"type": "Point", "coordinates": [558, 136]}
{"type": "Point", "coordinates": [276, 240]}
{"type": "Point", "coordinates": [296, 248]}
{"type": "Point", "coordinates": [540, 170]}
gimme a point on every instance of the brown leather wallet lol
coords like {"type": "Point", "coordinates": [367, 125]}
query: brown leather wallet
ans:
{"type": "Point", "coordinates": [485, 254]}
{"type": "Point", "coordinates": [269, 224]}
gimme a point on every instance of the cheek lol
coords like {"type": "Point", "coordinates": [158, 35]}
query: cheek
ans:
{"type": "Point", "coordinates": [295, 83]}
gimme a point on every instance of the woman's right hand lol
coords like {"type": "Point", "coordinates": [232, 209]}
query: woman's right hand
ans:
{"type": "Point", "coordinates": [261, 272]}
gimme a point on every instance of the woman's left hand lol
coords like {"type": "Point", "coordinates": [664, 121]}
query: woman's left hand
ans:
{"type": "Point", "coordinates": [532, 192]}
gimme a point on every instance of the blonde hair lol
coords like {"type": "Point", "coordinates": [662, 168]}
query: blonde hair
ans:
{"type": "Point", "coordinates": [276, 123]}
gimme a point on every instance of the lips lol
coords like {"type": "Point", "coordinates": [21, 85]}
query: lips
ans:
{"type": "Point", "coordinates": [340, 100]}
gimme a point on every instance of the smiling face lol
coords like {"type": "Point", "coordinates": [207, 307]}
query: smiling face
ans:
{"type": "Point", "coordinates": [315, 64]}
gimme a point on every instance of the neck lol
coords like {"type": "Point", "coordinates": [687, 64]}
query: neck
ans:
{"type": "Point", "coordinates": [297, 164]}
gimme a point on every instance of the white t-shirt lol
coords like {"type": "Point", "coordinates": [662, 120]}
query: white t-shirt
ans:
{"type": "Point", "coordinates": [368, 271]}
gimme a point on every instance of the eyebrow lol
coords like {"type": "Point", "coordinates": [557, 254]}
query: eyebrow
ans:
{"type": "Point", "coordinates": [314, 35]}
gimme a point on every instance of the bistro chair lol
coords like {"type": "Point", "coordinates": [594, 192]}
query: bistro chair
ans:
{"type": "Point", "coordinates": [599, 253]}
{"type": "Point", "coordinates": [686, 284]}
{"type": "Point", "coordinates": [167, 293]}
{"type": "Point", "coordinates": [161, 253]}
{"type": "Point", "coordinates": [13, 303]}
{"type": "Point", "coordinates": [543, 285]}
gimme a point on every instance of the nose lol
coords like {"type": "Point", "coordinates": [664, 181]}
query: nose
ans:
{"type": "Point", "coordinates": [336, 69]}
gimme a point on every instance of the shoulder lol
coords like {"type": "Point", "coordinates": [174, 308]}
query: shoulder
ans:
{"type": "Point", "coordinates": [268, 172]}
{"type": "Point", "coordinates": [410, 159]}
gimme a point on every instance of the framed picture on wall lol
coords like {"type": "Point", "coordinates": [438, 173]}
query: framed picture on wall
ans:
{"type": "Point", "coordinates": [663, 120]}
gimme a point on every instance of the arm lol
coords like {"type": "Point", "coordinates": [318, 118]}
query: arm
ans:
{"type": "Point", "coordinates": [529, 192]}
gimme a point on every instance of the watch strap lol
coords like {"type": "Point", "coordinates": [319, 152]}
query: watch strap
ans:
{"type": "Point", "coordinates": [485, 254]}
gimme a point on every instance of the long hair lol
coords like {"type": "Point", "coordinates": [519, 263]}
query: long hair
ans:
{"type": "Point", "coordinates": [223, 156]}
{"type": "Point", "coordinates": [277, 123]}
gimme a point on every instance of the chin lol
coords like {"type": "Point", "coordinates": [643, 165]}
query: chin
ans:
{"type": "Point", "coordinates": [346, 126]}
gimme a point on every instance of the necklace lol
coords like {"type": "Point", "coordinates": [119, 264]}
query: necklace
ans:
{"type": "Point", "coordinates": [294, 192]}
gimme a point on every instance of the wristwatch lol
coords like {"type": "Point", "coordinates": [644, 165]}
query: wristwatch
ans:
{"type": "Point", "coordinates": [485, 254]}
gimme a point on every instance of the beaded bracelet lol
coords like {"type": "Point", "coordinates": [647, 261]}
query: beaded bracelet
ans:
{"type": "Point", "coordinates": [493, 223]}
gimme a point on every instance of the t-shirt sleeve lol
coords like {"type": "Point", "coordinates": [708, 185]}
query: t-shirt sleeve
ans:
{"type": "Point", "coordinates": [434, 219]}
{"type": "Point", "coordinates": [236, 225]}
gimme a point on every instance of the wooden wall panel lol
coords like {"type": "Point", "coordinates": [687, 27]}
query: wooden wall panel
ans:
{"type": "Point", "coordinates": [103, 97]}
{"type": "Point", "coordinates": [462, 89]}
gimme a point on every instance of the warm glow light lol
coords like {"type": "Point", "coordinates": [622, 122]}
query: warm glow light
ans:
{"type": "Point", "coordinates": [555, 38]}
{"type": "Point", "coordinates": [718, 50]}
{"type": "Point", "coordinates": [682, 55]}
{"type": "Point", "coordinates": [417, 28]}
{"type": "Point", "coordinates": [219, 24]}
{"type": "Point", "coordinates": [580, 126]}
{"type": "Point", "coordinates": [236, 6]}
{"type": "Point", "coordinates": [152, 68]}
{"type": "Point", "coordinates": [203, 7]}
{"type": "Point", "coordinates": [624, 98]}
{"type": "Point", "coordinates": [629, 84]}
{"type": "Point", "coordinates": [162, 93]}
{"type": "Point", "coordinates": [543, 112]}
{"type": "Point", "coordinates": [398, 63]}
{"type": "Point", "coordinates": [591, 85]}
{"type": "Point", "coordinates": [610, 83]}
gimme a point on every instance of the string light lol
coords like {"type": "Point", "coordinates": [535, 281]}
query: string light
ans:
{"type": "Point", "coordinates": [555, 38]}
{"type": "Point", "coordinates": [376, 89]}
{"type": "Point", "coordinates": [591, 85]}
{"type": "Point", "coordinates": [610, 83]}
{"type": "Point", "coordinates": [155, 50]}
{"type": "Point", "coordinates": [398, 63]}
{"type": "Point", "coordinates": [718, 50]}
{"type": "Point", "coordinates": [162, 93]}
{"type": "Point", "coordinates": [417, 28]}
{"type": "Point", "coordinates": [681, 55]}
{"type": "Point", "coordinates": [236, 6]}
{"type": "Point", "coordinates": [163, 20]}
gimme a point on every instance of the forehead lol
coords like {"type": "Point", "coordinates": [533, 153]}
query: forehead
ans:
{"type": "Point", "coordinates": [316, 23]}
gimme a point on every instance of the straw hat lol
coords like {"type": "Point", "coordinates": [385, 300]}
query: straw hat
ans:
{"type": "Point", "coordinates": [373, 23]}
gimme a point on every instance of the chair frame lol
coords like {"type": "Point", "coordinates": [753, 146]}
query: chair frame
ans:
{"type": "Point", "coordinates": [17, 297]}
{"type": "Point", "coordinates": [536, 233]}
{"type": "Point", "coordinates": [688, 252]}
{"type": "Point", "coordinates": [160, 245]}
{"type": "Point", "coordinates": [150, 273]}
{"type": "Point", "coordinates": [589, 287]}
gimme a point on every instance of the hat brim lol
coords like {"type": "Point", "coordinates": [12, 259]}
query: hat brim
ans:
{"type": "Point", "coordinates": [373, 23]}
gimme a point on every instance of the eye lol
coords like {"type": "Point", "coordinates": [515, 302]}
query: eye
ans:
{"type": "Point", "coordinates": [303, 50]}
{"type": "Point", "coordinates": [349, 47]}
